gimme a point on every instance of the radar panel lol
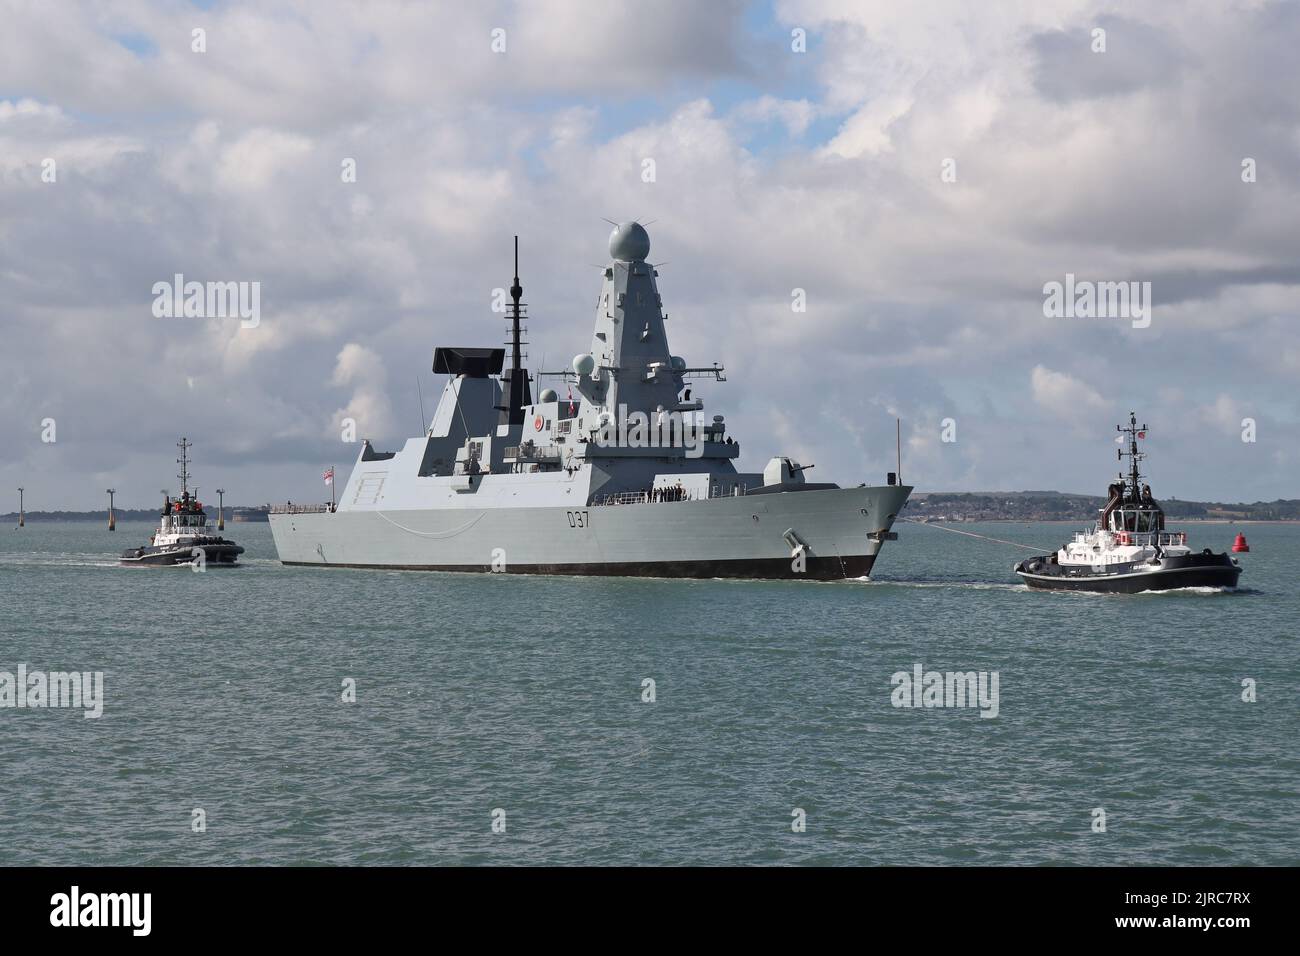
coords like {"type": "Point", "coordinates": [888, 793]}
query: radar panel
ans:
{"type": "Point", "coordinates": [473, 363]}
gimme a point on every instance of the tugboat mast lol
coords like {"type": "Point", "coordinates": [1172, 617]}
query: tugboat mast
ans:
{"type": "Point", "coordinates": [1132, 431]}
{"type": "Point", "coordinates": [184, 462]}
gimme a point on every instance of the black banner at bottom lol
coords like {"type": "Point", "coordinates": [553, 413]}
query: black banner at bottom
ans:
{"type": "Point", "coordinates": [1225, 906]}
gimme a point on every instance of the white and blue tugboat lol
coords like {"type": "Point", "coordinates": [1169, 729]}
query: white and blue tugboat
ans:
{"type": "Point", "coordinates": [1129, 550]}
{"type": "Point", "coordinates": [183, 536]}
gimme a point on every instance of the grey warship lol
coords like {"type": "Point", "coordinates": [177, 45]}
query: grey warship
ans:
{"type": "Point", "coordinates": [624, 475]}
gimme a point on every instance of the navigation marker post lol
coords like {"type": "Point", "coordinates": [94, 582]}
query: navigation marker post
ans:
{"type": "Point", "coordinates": [112, 521]}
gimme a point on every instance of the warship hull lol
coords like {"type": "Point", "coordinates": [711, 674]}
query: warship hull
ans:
{"type": "Point", "coordinates": [840, 531]}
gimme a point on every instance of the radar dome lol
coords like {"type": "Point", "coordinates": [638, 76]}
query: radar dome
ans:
{"type": "Point", "coordinates": [679, 363]}
{"type": "Point", "coordinates": [550, 395]}
{"type": "Point", "coordinates": [584, 364]}
{"type": "Point", "coordinates": [629, 242]}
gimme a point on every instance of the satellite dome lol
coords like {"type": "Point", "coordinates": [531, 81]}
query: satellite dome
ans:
{"type": "Point", "coordinates": [679, 363]}
{"type": "Point", "coordinates": [584, 364]}
{"type": "Point", "coordinates": [629, 242]}
{"type": "Point", "coordinates": [550, 395]}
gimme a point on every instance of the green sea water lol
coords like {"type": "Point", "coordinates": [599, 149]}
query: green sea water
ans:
{"type": "Point", "coordinates": [501, 698]}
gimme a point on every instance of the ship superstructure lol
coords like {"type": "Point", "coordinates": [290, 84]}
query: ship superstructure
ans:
{"type": "Point", "coordinates": [624, 474]}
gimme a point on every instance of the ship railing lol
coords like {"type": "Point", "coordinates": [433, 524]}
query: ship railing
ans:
{"type": "Point", "coordinates": [727, 491]}
{"type": "Point", "coordinates": [624, 498]}
{"type": "Point", "coordinates": [638, 498]}
{"type": "Point", "coordinates": [1164, 539]}
{"type": "Point", "coordinates": [649, 497]}
{"type": "Point", "coordinates": [292, 509]}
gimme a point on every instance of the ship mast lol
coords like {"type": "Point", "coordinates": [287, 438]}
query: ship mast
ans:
{"type": "Point", "coordinates": [516, 385]}
{"type": "Point", "coordinates": [184, 462]}
{"type": "Point", "coordinates": [1135, 456]}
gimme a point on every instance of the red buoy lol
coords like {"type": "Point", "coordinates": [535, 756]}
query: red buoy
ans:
{"type": "Point", "coordinates": [1240, 544]}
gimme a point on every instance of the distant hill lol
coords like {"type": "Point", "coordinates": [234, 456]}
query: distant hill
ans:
{"type": "Point", "coordinates": [1063, 506]}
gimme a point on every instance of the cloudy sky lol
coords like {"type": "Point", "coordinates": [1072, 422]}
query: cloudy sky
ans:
{"type": "Point", "coordinates": [774, 170]}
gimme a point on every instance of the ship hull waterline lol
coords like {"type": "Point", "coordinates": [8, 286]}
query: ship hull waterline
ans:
{"type": "Point", "coordinates": [743, 538]}
{"type": "Point", "coordinates": [215, 556]}
{"type": "Point", "coordinates": [1193, 571]}
{"type": "Point", "coordinates": [817, 569]}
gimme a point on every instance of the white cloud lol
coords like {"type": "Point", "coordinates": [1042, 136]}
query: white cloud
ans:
{"type": "Point", "coordinates": [1224, 413]}
{"type": "Point", "coordinates": [225, 166]}
{"type": "Point", "coordinates": [28, 109]}
{"type": "Point", "coordinates": [253, 160]}
{"type": "Point", "coordinates": [363, 370]}
{"type": "Point", "coordinates": [1063, 394]}
{"type": "Point", "coordinates": [794, 115]}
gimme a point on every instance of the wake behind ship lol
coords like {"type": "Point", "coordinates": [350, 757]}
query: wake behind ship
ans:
{"type": "Point", "coordinates": [622, 476]}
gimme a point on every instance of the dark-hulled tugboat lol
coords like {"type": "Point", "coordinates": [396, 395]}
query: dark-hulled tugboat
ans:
{"type": "Point", "coordinates": [182, 536]}
{"type": "Point", "coordinates": [1129, 550]}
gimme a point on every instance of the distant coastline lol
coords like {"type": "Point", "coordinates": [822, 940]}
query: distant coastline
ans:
{"type": "Point", "coordinates": [960, 506]}
{"type": "Point", "coordinates": [238, 513]}
{"type": "Point", "coordinates": [954, 506]}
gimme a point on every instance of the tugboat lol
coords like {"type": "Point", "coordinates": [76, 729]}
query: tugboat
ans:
{"type": "Point", "coordinates": [1129, 549]}
{"type": "Point", "coordinates": [182, 534]}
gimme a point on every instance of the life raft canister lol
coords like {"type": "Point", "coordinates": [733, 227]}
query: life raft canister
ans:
{"type": "Point", "coordinates": [538, 422]}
